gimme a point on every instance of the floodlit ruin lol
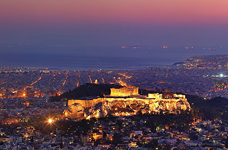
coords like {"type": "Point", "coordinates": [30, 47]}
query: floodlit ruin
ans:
{"type": "Point", "coordinates": [125, 101]}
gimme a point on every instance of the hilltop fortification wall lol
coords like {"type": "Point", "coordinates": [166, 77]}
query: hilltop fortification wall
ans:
{"type": "Point", "coordinates": [126, 105]}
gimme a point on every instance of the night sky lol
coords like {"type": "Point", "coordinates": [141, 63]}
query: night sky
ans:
{"type": "Point", "coordinates": [70, 26]}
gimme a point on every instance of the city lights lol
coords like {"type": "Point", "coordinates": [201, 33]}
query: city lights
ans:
{"type": "Point", "coordinates": [50, 121]}
{"type": "Point", "coordinates": [221, 75]}
{"type": "Point", "coordinates": [24, 94]}
{"type": "Point", "coordinates": [86, 75]}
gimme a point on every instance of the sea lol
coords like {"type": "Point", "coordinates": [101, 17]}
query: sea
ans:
{"type": "Point", "coordinates": [107, 58]}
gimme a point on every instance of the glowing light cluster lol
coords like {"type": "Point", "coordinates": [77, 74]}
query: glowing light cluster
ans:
{"type": "Point", "coordinates": [50, 121]}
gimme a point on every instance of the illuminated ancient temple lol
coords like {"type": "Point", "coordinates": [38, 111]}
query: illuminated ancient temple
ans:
{"type": "Point", "coordinates": [125, 91]}
{"type": "Point", "coordinates": [125, 101]}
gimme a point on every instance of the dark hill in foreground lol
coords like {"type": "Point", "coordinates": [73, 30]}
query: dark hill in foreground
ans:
{"type": "Point", "coordinates": [217, 102]}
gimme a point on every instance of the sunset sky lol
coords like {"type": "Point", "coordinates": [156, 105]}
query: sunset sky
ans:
{"type": "Point", "coordinates": [79, 23]}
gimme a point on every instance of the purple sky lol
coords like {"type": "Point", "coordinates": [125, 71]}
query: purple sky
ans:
{"type": "Point", "coordinates": [72, 25]}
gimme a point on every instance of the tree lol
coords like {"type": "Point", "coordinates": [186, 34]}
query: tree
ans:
{"type": "Point", "coordinates": [226, 144]}
{"type": "Point", "coordinates": [139, 144]}
{"type": "Point", "coordinates": [117, 138]}
{"type": "Point", "coordinates": [119, 124]}
{"type": "Point", "coordinates": [98, 141]}
{"type": "Point", "coordinates": [193, 136]}
{"type": "Point", "coordinates": [139, 113]}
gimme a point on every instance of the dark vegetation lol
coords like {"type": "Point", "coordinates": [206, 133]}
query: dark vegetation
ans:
{"type": "Point", "coordinates": [217, 102]}
{"type": "Point", "coordinates": [86, 90]}
{"type": "Point", "coordinates": [210, 108]}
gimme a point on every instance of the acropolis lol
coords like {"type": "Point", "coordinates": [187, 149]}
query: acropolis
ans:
{"type": "Point", "coordinates": [125, 101]}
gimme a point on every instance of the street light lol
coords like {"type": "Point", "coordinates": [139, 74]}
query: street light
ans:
{"type": "Point", "coordinates": [50, 121]}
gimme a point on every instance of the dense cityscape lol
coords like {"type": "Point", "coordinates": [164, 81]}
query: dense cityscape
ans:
{"type": "Point", "coordinates": [209, 81]}
{"type": "Point", "coordinates": [30, 120]}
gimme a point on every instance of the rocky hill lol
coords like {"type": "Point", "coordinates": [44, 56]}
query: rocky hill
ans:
{"type": "Point", "coordinates": [210, 108]}
{"type": "Point", "coordinates": [120, 103]}
{"type": "Point", "coordinates": [126, 107]}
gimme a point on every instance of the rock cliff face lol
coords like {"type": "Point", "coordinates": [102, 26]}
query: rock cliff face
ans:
{"type": "Point", "coordinates": [125, 107]}
{"type": "Point", "coordinates": [126, 101]}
